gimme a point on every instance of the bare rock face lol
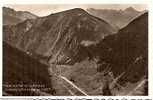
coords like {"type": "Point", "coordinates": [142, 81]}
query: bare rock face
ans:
{"type": "Point", "coordinates": [58, 35]}
{"type": "Point", "coordinates": [12, 17]}
{"type": "Point", "coordinates": [126, 51]}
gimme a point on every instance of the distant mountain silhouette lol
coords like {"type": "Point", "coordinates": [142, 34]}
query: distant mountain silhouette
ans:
{"type": "Point", "coordinates": [117, 18]}
{"type": "Point", "coordinates": [58, 35]}
{"type": "Point", "coordinates": [11, 17]}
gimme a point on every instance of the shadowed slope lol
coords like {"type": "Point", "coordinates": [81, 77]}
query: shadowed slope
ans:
{"type": "Point", "coordinates": [19, 69]}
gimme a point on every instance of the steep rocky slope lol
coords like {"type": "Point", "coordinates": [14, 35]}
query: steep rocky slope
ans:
{"type": "Point", "coordinates": [58, 35]}
{"type": "Point", "coordinates": [126, 51]}
{"type": "Point", "coordinates": [117, 18]}
{"type": "Point", "coordinates": [12, 17]}
{"type": "Point", "coordinates": [122, 56]}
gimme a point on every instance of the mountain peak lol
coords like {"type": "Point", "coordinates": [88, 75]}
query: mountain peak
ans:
{"type": "Point", "coordinates": [76, 11]}
{"type": "Point", "coordinates": [130, 9]}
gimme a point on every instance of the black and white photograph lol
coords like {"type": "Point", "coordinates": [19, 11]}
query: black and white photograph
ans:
{"type": "Point", "coordinates": [75, 50]}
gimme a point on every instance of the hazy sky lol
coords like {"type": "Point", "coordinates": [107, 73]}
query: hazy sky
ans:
{"type": "Point", "coordinates": [42, 10]}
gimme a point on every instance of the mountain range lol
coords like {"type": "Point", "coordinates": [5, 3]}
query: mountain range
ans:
{"type": "Point", "coordinates": [60, 34]}
{"type": "Point", "coordinates": [117, 18]}
{"type": "Point", "coordinates": [84, 44]}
